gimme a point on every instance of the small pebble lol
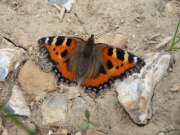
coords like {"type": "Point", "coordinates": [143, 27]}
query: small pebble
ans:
{"type": "Point", "coordinates": [134, 36]}
{"type": "Point", "coordinates": [50, 132]}
{"type": "Point", "coordinates": [63, 132]}
{"type": "Point", "coordinates": [145, 40]}
{"type": "Point", "coordinates": [175, 87]}
{"type": "Point", "coordinates": [161, 133]}
{"type": "Point", "coordinates": [78, 133]}
{"type": "Point", "coordinates": [170, 70]}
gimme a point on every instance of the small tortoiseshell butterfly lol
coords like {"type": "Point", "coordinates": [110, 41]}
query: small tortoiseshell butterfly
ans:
{"type": "Point", "coordinates": [93, 66]}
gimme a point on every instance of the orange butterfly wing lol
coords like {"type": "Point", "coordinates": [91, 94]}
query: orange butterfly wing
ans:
{"type": "Point", "coordinates": [116, 64]}
{"type": "Point", "coordinates": [119, 63]}
{"type": "Point", "coordinates": [58, 50]}
{"type": "Point", "coordinates": [102, 81]}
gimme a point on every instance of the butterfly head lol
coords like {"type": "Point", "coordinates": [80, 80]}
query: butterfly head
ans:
{"type": "Point", "coordinates": [91, 39]}
{"type": "Point", "coordinates": [89, 46]}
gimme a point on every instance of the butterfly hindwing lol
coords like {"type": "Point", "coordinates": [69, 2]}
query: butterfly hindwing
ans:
{"type": "Point", "coordinates": [101, 81]}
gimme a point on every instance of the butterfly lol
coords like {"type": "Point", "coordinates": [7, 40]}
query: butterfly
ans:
{"type": "Point", "coordinates": [92, 66]}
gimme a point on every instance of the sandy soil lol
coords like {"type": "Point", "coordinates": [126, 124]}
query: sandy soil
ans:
{"type": "Point", "coordinates": [24, 22]}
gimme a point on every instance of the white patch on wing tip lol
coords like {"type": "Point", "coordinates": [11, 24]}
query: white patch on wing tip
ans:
{"type": "Point", "coordinates": [47, 39]}
{"type": "Point", "coordinates": [135, 59]}
{"type": "Point", "coordinates": [55, 39]}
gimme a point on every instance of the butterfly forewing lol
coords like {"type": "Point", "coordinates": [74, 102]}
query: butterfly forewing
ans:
{"type": "Point", "coordinates": [59, 50]}
{"type": "Point", "coordinates": [119, 63]}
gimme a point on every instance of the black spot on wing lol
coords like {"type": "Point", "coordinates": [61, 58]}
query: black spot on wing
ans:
{"type": "Point", "coordinates": [102, 70]}
{"type": "Point", "coordinates": [68, 43]}
{"type": "Point", "coordinates": [59, 41]}
{"type": "Point", "coordinates": [130, 58]}
{"type": "Point", "coordinates": [64, 53]}
{"type": "Point", "coordinates": [110, 51]}
{"type": "Point", "coordinates": [109, 64]}
{"type": "Point", "coordinates": [136, 69]}
{"type": "Point", "coordinates": [120, 54]}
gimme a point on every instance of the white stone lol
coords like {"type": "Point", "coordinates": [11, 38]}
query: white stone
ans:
{"type": "Point", "coordinates": [17, 103]}
{"type": "Point", "coordinates": [10, 57]}
{"type": "Point", "coordinates": [161, 133]}
{"type": "Point", "coordinates": [73, 92]}
{"type": "Point", "coordinates": [65, 3]}
{"type": "Point", "coordinates": [5, 132]}
{"type": "Point", "coordinates": [135, 94]}
{"type": "Point", "coordinates": [79, 107]}
{"type": "Point", "coordinates": [78, 133]}
{"type": "Point", "coordinates": [50, 132]}
{"type": "Point", "coordinates": [54, 109]}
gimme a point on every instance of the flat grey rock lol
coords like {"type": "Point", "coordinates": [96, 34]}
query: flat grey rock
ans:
{"type": "Point", "coordinates": [10, 57]}
{"type": "Point", "coordinates": [54, 109]}
{"type": "Point", "coordinates": [135, 94]}
{"type": "Point", "coordinates": [17, 104]}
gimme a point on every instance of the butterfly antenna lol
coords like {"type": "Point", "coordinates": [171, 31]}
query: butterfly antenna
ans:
{"type": "Point", "coordinates": [106, 32]}
{"type": "Point", "coordinates": [81, 24]}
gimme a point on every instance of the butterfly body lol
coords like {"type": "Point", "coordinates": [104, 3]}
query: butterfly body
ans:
{"type": "Point", "coordinates": [83, 59]}
{"type": "Point", "coordinates": [93, 66]}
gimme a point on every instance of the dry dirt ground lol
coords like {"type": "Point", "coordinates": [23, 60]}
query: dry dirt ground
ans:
{"type": "Point", "coordinates": [25, 21]}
